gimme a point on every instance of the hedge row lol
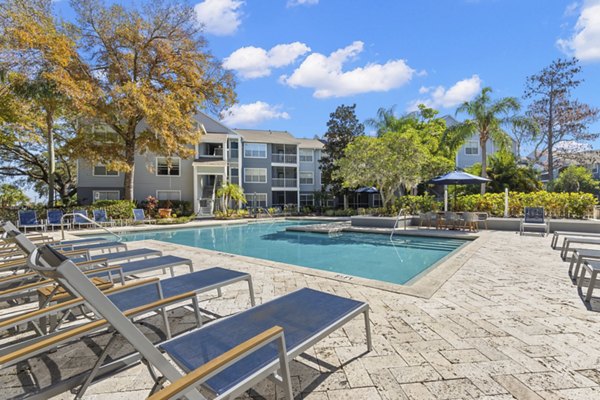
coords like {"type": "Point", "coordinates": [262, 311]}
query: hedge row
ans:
{"type": "Point", "coordinates": [556, 205]}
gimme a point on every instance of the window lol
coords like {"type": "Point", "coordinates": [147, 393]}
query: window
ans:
{"type": "Point", "coordinates": [101, 170]}
{"type": "Point", "coordinates": [106, 195]}
{"type": "Point", "coordinates": [256, 200]}
{"type": "Point", "coordinates": [307, 199]}
{"type": "Point", "coordinates": [307, 178]}
{"type": "Point", "coordinates": [167, 166]}
{"type": "Point", "coordinates": [376, 200]}
{"type": "Point", "coordinates": [234, 176]}
{"type": "Point", "coordinates": [472, 148]}
{"type": "Point", "coordinates": [306, 155]}
{"type": "Point", "coordinates": [168, 195]}
{"type": "Point", "coordinates": [255, 150]}
{"type": "Point", "coordinates": [255, 175]}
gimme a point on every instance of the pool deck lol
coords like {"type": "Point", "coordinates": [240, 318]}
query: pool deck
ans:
{"type": "Point", "coordinates": [508, 323]}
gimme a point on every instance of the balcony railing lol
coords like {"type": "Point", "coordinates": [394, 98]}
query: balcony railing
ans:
{"type": "Point", "coordinates": [284, 158]}
{"type": "Point", "coordinates": [285, 182]}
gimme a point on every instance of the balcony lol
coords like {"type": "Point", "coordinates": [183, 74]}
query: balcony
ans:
{"type": "Point", "coordinates": [284, 158]}
{"type": "Point", "coordinates": [284, 182]}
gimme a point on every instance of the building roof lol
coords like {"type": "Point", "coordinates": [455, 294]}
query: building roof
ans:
{"type": "Point", "coordinates": [311, 144]}
{"type": "Point", "coordinates": [267, 136]}
{"type": "Point", "coordinates": [214, 137]}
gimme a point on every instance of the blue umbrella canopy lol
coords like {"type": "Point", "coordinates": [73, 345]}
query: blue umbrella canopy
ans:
{"type": "Point", "coordinates": [366, 190]}
{"type": "Point", "coordinates": [458, 178]}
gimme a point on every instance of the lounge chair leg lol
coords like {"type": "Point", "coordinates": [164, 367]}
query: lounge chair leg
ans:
{"type": "Point", "coordinates": [191, 265]}
{"type": "Point", "coordinates": [251, 290]}
{"type": "Point", "coordinates": [571, 265]}
{"type": "Point", "coordinates": [165, 316]}
{"type": "Point", "coordinates": [196, 306]}
{"type": "Point", "coordinates": [88, 380]}
{"type": "Point", "coordinates": [592, 285]}
{"type": "Point", "coordinates": [581, 278]}
{"type": "Point", "coordinates": [368, 331]}
{"type": "Point", "coordinates": [285, 369]}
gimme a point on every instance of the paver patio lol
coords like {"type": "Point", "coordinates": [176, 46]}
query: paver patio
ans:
{"type": "Point", "coordinates": [508, 324]}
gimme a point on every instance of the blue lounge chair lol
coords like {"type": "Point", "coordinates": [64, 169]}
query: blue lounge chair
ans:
{"type": "Point", "coordinates": [304, 317]}
{"type": "Point", "coordinates": [55, 220]}
{"type": "Point", "coordinates": [101, 246]}
{"type": "Point", "coordinates": [534, 218]}
{"type": "Point", "coordinates": [79, 220]}
{"type": "Point", "coordinates": [101, 218]}
{"type": "Point", "coordinates": [28, 219]}
{"type": "Point", "coordinates": [140, 217]}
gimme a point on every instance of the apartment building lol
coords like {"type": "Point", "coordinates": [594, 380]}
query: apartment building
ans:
{"type": "Point", "coordinates": [274, 168]}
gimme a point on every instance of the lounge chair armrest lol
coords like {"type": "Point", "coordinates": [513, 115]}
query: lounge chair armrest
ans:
{"type": "Point", "coordinates": [217, 364]}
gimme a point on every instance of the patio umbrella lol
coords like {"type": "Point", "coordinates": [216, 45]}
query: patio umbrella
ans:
{"type": "Point", "coordinates": [458, 178]}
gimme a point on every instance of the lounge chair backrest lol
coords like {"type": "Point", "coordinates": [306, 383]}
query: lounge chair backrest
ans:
{"type": "Point", "coordinates": [28, 217]}
{"type": "Point", "coordinates": [78, 219]}
{"type": "Point", "coordinates": [534, 215]}
{"type": "Point", "coordinates": [100, 215]}
{"type": "Point", "coordinates": [51, 264]}
{"type": "Point", "coordinates": [54, 217]}
{"type": "Point", "coordinates": [138, 214]}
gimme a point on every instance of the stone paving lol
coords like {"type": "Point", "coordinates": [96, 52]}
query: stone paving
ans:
{"type": "Point", "coordinates": [508, 324]}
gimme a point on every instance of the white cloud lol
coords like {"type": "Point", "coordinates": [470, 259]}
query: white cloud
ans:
{"type": "Point", "coordinates": [219, 17]}
{"type": "Point", "coordinates": [440, 97]}
{"type": "Point", "coordinates": [252, 114]}
{"type": "Point", "coordinates": [255, 62]}
{"type": "Point", "coordinates": [324, 74]}
{"type": "Point", "coordinates": [585, 41]}
{"type": "Point", "coordinates": [294, 3]}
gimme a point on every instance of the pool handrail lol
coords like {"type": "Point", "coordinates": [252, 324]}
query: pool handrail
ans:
{"type": "Point", "coordinates": [74, 214]}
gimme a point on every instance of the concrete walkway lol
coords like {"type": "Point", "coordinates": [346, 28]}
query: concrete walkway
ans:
{"type": "Point", "coordinates": [508, 324]}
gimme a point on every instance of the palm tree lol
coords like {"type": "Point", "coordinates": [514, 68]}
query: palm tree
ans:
{"type": "Point", "coordinates": [231, 192]}
{"type": "Point", "coordinates": [487, 118]}
{"type": "Point", "coordinates": [385, 121]}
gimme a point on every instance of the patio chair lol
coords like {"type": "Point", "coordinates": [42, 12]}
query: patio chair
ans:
{"type": "Point", "coordinates": [449, 220]}
{"type": "Point", "coordinates": [470, 221]}
{"type": "Point", "coordinates": [81, 219]}
{"type": "Point", "coordinates": [140, 217]}
{"type": "Point", "coordinates": [429, 218]}
{"type": "Point", "coordinates": [28, 219]}
{"type": "Point", "coordinates": [534, 218]}
{"type": "Point", "coordinates": [305, 316]}
{"type": "Point", "coordinates": [55, 220]}
{"type": "Point", "coordinates": [101, 218]}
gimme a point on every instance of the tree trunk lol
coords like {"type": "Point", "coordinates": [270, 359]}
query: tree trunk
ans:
{"type": "Point", "coordinates": [551, 140]}
{"type": "Point", "coordinates": [129, 175]}
{"type": "Point", "coordinates": [483, 144]}
{"type": "Point", "coordinates": [51, 158]}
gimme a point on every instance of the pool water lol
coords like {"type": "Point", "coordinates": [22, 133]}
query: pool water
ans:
{"type": "Point", "coordinates": [372, 256]}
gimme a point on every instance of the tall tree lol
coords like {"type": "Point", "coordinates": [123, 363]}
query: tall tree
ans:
{"type": "Point", "coordinates": [47, 105]}
{"type": "Point", "coordinates": [122, 66]}
{"type": "Point", "coordinates": [559, 117]}
{"type": "Point", "coordinates": [487, 117]}
{"type": "Point", "coordinates": [389, 162]}
{"type": "Point", "coordinates": [342, 128]}
{"type": "Point", "coordinates": [522, 130]}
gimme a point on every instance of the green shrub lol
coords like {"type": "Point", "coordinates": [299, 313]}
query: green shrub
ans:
{"type": "Point", "coordinates": [416, 204]}
{"type": "Point", "coordinates": [115, 209]}
{"type": "Point", "coordinates": [173, 221]}
{"type": "Point", "coordinates": [556, 205]}
{"type": "Point", "coordinates": [179, 207]}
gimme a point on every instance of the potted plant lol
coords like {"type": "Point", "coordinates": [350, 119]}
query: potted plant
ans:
{"type": "Point", "coordinates": [166, 211]}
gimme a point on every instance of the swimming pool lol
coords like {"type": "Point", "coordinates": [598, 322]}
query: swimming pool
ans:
{"type": "Point", "coordinates": [372, 256]}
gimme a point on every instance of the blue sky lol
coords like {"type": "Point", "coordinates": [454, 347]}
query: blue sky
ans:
{"type": "Point", "coordinates": [297, 60]}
